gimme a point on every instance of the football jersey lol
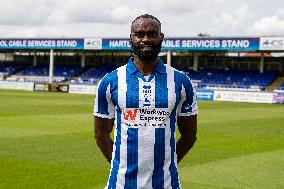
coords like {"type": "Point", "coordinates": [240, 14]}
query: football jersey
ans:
{"type": "Point", "coordinates": [145, 111]}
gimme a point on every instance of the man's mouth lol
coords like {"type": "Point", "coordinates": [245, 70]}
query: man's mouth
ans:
{"type": "Point", "coordinates": [146, 47]}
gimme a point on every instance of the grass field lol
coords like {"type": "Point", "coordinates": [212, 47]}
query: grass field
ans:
{"type": "Point", "coordinates": [46, 141]}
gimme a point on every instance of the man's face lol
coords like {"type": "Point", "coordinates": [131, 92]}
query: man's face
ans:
{"type": "Point", "coordinates": [146, 38]}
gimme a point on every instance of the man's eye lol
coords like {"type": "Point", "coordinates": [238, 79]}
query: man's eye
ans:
{"type": "Point", "coordinates": [139, 34]}
{"type": "Point", "coordinates": [149, 34]}
{"type": "Point", "coordinates": [153, 34]}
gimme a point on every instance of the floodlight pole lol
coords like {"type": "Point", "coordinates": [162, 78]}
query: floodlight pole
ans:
{"type": "Point", "coordinates": [83, 60]}
{"type": "Point", "coordinates": [35, 59]}
{"type": "Point", "coordinates": [169, 58]}
{"type": "Point", "coordinates": [51, 65]}
{"type": "Point", "coordinates": [261, 63]}
{"type": "Point", "coordinates": [195, 61]}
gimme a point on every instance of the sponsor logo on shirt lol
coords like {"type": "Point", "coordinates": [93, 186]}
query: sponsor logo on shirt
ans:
{"type": "Point", "coordinates": [187, 107]}
{"type": "Point", "coordinates": [138, 117]}
{"type": "Point", "coordinates": [130, 114]}
{"type": "Point", "coordinates": [147, 93]}
{"type": "Point", "coordinates": [190, 106]}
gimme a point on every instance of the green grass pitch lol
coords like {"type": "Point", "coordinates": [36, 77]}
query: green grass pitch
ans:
{"type": "Point", "coordinates": [46, 141]}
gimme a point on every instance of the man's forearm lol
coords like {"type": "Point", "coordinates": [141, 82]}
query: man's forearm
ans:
{"type": "Point", "coordinates": [105, 144]}
{"type": "Point", "coordinates": [102, 130]}
{"type": "Point", "coordinates": [184, 144]}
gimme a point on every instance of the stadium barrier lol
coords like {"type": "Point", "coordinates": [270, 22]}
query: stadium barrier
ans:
{"type": "Point", "coordinates": [202, 94]}
{"type": "Point", "coordinates": [278, 98]}
{"type": "Point", "coordinates": [29, 86]}
{"type": "Point", "coordinates": [43, 79]}
{"type": "Point", "coordinates": [240, 96]}
{"type": "Point", "coordinates": [51, 87]}
{"type": "Point", "coordinates": [82, 89]}
{"type": "Point", "coordinates": [40, 87]}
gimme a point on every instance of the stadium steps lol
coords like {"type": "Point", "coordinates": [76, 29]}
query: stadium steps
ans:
{"type": "Point", "coordinates": [24, 68]}
{"type": "Point", "coordinates": [84, 73]}
{"type": "Point", "coordinates": [274, 85]}
{"type": "Point", "coordinates": [76, 77]}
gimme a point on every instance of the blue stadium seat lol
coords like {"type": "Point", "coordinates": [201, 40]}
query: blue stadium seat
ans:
{"type": "Point", "coordinates": [93, 75]}
{"type": "Point", "coordinates": [9, 69]}
{"type": "Point", "coordinates": [231, 79]}
{"type": "Point", "coordinates": [66, 71]}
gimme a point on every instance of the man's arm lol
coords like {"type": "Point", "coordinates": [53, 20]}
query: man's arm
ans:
{"type": "Point", "coordinates": [187, 126]}
{"type": "Point", "coordinates": [102, 130]}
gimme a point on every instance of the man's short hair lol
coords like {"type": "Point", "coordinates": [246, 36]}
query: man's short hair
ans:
{"type": "Point", "coordinates": [146, 16]}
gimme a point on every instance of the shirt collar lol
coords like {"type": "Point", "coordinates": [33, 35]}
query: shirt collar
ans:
{"type": "Point", "coordinates": [160, 68]}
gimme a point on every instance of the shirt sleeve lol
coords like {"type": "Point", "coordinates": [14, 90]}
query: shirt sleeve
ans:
{"type": "Point", "coordinates": [104, 106]}
{"type": "Point", "coordinates": [188, 104]}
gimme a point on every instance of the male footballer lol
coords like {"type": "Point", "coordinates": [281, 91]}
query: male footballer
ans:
{"type": "Point", "coordinates": [144, 101]}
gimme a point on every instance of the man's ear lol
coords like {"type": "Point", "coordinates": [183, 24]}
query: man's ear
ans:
{"type": "Point", "coordinates": [162, 36]}
{"type": "Point", "coordinates": [130, 37]}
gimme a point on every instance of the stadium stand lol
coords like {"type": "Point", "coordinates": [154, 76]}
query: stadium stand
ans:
{"type": "Point", "coordinates": [93, 75]}
{"type": "Point", "coordinates": [231, 79]}
{"type": "Point", "coordinates": [40, 73]}
{"type": "Point", "coordinates": [8, 69]}
{"type": "Point", "coordinates": [228, 79]}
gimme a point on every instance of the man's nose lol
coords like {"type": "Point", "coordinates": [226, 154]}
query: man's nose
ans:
{"type": "Point", "coordinates": [146, 38]}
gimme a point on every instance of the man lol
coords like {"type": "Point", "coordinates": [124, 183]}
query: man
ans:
{"type": "Point", "coordinates": [145, 99]}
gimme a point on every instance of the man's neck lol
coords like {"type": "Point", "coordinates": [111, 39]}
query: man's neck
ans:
{"type": "Point", "coordinates": [145, 67]}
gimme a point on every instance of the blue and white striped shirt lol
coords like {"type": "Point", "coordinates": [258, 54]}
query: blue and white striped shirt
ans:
{"type": "Point", "coordinates": [145, 111]}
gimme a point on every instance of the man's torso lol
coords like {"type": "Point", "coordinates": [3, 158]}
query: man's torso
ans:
{"type": "Point", "coordinates": [144, 154]}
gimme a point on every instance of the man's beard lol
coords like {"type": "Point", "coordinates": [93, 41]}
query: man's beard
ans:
{"type": "Point", "coordinates": [147, 55]}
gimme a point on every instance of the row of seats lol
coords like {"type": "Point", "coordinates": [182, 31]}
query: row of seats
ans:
{"type": "Point", "coordinates": [93, 76]}
{"type": "Point", "coordinates": [68, 72]}
{"type": "Point", "coordinates": [8, 69]}
{"type": "Point", "coordinates": [234, 79]}
{"type": "Point", "coordinates": [39, 73]}
{"type": "Point", "coordinates": [205, 78]}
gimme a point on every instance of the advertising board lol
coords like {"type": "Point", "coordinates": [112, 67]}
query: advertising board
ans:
{"type": "Point", "coordinates": [241, 96]}
{"type": "Point", "coordinates": [17, 85]}
{"type": "Point", "coordinates": [42, 43]}
{"type": "Point", "coordinates": [224, 43]}
{"type": "Point", "coordinates": [205, 94]}
{"type": "Point", "coordinates": [51, 87]}
{"type": "Point", "coordinates": [271, 43]}
{"type": "Point", "coordinates": [82, 89]}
